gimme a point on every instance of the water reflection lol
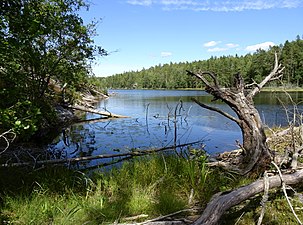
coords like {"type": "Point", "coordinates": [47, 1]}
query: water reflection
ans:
{"type": "Point", "coordinates": [162, 118]}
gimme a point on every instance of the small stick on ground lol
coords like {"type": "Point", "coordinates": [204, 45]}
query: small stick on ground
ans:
{"type": "Point", "coordinates": [166, 216]}
{"type": "Point", "coordinates": [285, 193]}
{"type": "Point", "coordinates": [265, 198]}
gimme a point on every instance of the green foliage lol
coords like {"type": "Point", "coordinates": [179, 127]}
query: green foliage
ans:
{"type": "Point", "coordinates": [197, 169]}
{"type": "Point", "coordinates": [97, 84]}
{"type": "Point", "coordinates": [22, 118]}
{"type": "Point", "coordinates": [251, 66]}
{"type": "Point", "coordinates": [41, 42]}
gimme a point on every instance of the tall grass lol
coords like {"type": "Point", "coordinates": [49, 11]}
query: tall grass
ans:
{"type": "Point", "coordinates": [152, 185]}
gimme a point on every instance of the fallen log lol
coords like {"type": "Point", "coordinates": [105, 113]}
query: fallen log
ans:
{"type": "Point", "coordinates": [220, 203]}
{"type": "Point", "coordinates": [102, 156]}
{"type": "Point", "coordinates": [94, 111]}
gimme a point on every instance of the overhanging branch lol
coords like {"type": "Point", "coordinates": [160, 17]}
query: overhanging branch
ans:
{"type": "Point", "coordinates": [201, 77]}
{"type": "Point", "coordinates": [217, 110]}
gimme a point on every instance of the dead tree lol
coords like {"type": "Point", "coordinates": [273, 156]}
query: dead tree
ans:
{"type": "Point", "coordinates": [255, 156]}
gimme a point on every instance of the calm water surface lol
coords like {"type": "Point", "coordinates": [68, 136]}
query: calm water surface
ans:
{"type": "Point", "coordinates": [160, 118]}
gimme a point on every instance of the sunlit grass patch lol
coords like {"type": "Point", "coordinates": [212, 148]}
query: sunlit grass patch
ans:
{"type": "Point", "coordinates": [152, 186]}
{"type": "Point", "coordinates": [41, 209]}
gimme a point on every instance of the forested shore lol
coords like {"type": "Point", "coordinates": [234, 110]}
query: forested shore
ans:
{"type": "Point", "coordinates": [252, 66]}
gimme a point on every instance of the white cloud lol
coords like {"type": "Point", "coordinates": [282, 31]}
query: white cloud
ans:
{"type": "Point", "coordinates": [217, 49]}
{"type": "Point", "coordinates": [211, 44]}
{"type": "Point", "coordinates": [292, 4]}
{"type": "Point", "coordinates": [219, 6]}
{"type": "Point", "coordinates": [166, 54]}
{"type": "Point", "coordinates": [176, 2]}
{"type": "Point", "coordinates": [180, 2]}
{"type": "Point", "coordinates": [140, 2]}
{"type": "Point", "coordinates": [264, 45]}
{"type": "Point", "coordinates": [231, 45]}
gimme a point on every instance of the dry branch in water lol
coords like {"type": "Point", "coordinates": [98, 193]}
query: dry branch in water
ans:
{"type": "Point", "coordinates": [104, 156]}
{"type": "Point", "coordinates": [102, 113]}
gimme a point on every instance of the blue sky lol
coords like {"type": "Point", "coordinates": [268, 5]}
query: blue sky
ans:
{"type": "Point", "coordinates": [143, 33]}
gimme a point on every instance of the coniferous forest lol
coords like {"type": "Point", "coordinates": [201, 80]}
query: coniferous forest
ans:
{"type": "Point", "coordinates": [253, 67]}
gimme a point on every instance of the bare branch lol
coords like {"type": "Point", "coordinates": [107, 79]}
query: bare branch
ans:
{"type": "Point", "coordinates": [254, 83]}
{"type": "Point", "coordinates": [102, 156]}
{"type": "Point", "coordinates": [221, 203]}
{"type": "Point", "coordinates": [276, 78]}
{"type": "Point", "coordinates": [265, 198]}
{"type": "Point", "coordinates": [217, 110]}
{"type": "Point", "coordinates": [285, 193]}
{"type": "Point", "coordinates": [102, 113]}
{"type": "Point", "coordinates": [205, 81]}
{"type": "Point", "coordinates": [275, 74]}
{"type": "Point", "coordinates": [239, 82]}
{"type": "Point", "coordinates": [169, 215]}
{"type": "Point", "coordinates": [213, 76]}
{"type": "Point", "coordinates": [7, 139]}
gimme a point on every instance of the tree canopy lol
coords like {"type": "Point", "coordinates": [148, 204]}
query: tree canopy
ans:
{"type": "Point", "coordinates": [41, 42]}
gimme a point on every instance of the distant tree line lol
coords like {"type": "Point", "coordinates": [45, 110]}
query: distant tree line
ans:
{"type": "Point", "coordinates": [253, 67]}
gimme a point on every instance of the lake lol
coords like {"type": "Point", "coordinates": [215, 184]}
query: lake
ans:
{"type": "Point", "coordinates": [160, 118]}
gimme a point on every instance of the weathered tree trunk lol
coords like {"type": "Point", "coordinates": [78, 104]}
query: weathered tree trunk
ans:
{"type": "Point", "coordinates": [256, 155]}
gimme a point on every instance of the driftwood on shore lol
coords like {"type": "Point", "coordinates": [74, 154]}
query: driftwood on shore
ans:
{"type": "Point", "coordinates": [94, 111]}
{"type": "Point", "coordinates": [220, 203]}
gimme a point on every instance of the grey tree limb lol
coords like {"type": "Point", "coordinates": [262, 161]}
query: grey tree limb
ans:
{"type": "Point", "coordinates": [221, 203]}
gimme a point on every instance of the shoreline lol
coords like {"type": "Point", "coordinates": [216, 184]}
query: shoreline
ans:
{"type": "Point", "coordinates": [265, 89]}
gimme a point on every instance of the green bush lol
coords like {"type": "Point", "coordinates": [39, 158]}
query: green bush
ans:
{"type": "Point", "coordinates": [22, 118]}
